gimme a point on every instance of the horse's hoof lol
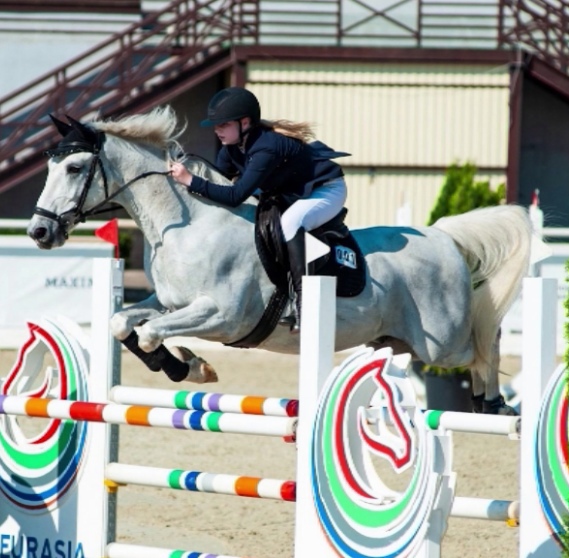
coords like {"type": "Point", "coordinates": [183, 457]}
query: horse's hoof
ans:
{"type": "Point", "coordinates": [497, 406]}
{"type": "Point", "coordinates": [200, 372]}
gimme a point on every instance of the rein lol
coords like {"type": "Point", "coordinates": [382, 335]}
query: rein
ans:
{"type": "Point", "coordinates": [96, 210]}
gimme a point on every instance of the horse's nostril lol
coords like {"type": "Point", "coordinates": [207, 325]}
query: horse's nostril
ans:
{"type": "Point", "coordinates": [38, 233]}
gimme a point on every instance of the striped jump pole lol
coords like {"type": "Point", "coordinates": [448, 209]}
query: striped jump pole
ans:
{"type": "Point", "coordinates": [484, 508]}
{"type": "Point", "coordinates": [205, 401]}
{"type": "Point", "coordinates": [475, 423]}
{"type": "Point", "coordinates": [118, 474]}
{"type": "Point", "coordinates": [114, 413]}
{"type": "Point", "coordinates": [195, 481]}
{"type": "Point", "coordinates": [121, 550]}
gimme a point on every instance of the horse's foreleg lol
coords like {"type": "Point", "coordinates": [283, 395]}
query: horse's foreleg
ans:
{"type": "Point", "coordinates": [201, 318]}
{"type": "Point", "coordinates": [123, 322]}
{"type": "Point", "coordinates": [122, 328]}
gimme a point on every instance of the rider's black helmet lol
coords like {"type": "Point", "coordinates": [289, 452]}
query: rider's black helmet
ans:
{"type": "Point", "coordinates": [230, 104]}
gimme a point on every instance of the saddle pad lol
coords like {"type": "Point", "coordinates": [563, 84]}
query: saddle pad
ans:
{"type": "Point", "coordinates": [347, 263]}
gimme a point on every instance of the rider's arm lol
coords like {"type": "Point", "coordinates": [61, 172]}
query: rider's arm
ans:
{"type": "Point", "coordinates": [261, 164]}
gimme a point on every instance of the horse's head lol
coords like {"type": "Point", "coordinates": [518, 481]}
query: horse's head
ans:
{"type": "Point", "coordinates": [72, 168]}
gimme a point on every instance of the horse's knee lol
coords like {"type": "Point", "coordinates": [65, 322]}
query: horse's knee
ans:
{"type": "Point", "coordinates": [148, 339]}
{"type": "Point", "coordinates": [119, 326]}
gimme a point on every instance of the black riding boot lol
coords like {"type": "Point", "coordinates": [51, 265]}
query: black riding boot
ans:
{"type": "Point", "coordinates": [297, 260]}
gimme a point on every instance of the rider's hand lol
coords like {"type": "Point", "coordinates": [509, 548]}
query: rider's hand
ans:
{"type": "Point", "coordinates": [181, 174]}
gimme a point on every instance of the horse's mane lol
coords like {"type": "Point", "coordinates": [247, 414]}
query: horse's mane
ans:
{"type": "Point", "coordinates": [158, 127]}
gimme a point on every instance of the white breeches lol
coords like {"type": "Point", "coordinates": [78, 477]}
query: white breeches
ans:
{"type": "Point", "coordinates": [324, 202]}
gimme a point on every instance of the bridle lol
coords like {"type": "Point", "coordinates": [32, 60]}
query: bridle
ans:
{"type": "Point", "coordinates": [77, 214]}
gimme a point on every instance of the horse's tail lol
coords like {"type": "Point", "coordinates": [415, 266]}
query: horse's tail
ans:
{"type": "Point", "coordinates": [496, 244]}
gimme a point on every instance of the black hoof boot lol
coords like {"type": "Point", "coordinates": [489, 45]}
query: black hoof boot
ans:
{"type": "Point", "coordinates": [498, 406]}
{"type": "Point", "coordinates": [152, 360]}
{"type": "Point", "coordinates": [478, 403]}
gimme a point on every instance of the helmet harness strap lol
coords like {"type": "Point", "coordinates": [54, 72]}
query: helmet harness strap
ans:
{"type": "Point", "coordinates": [243, 133]}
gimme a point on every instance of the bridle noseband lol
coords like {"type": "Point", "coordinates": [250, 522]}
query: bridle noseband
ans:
{"type": "Point", "coordinates": [77, 214]}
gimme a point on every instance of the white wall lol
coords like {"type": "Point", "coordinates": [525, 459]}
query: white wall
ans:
{"type": "Point", "coordinates": [33, 44]}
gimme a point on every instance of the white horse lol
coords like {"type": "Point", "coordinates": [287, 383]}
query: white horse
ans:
{"type": "Point", "coordinates": [438, 292]}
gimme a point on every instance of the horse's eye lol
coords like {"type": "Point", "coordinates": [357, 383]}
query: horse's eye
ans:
{"type": "Point", "coordinates": [73, 169]}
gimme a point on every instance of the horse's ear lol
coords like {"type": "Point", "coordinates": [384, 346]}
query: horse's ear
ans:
{"type": "Point", "coordinates": [62, 127]}
{"type": "Point", "coordinates": [86, 131]}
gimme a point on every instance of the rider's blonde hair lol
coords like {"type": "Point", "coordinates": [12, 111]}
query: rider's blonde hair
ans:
{"type": "Point", "coordinates": [298, 130]}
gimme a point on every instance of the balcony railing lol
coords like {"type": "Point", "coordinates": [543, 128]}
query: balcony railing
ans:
{"type": "Point", "coordinates": [163, 46]}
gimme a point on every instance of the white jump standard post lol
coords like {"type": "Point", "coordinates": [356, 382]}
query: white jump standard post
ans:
{"type": "Point", "coordinates": [316, 364]}
{"type": "Point", "coordinates": [538, 363]}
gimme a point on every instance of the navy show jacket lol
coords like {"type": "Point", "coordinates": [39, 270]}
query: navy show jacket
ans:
{"type": "Point", "coordinates": [270, 162]}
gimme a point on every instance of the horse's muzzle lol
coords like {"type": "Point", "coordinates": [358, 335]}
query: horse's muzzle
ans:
{"type": "Point", "coordinates": [46, 235]}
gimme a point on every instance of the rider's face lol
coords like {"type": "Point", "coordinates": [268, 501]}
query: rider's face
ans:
{"type": "Point", "coordinates": [228, 132]}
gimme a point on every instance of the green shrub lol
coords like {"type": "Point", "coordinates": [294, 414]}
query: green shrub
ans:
{"type": "Point", "coordinates": [461, 193]}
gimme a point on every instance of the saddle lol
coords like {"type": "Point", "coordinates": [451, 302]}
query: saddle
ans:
{"type": "Point", "coordinates": [345, 261]}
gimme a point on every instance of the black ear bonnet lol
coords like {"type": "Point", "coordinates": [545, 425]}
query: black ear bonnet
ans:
{"type": "Point", "coordinates": [77, 138]}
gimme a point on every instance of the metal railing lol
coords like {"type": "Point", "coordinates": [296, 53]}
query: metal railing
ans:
{"type": "Point", "coordinates": [152, 55]}
{"type": "Point", "coordinates": [123, 68]}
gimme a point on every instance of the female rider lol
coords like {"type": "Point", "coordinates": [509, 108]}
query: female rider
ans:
{"type": "Point", "coordinates": [271, 157]}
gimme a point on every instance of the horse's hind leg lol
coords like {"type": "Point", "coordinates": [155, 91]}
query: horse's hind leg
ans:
{"type": "Point", "coordinates": [492, 401]}
{"type": "Point", "coordinates": [478, 392]}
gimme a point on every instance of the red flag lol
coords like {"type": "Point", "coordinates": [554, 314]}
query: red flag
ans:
{"type": "Point", "coordinates": [110, 233]}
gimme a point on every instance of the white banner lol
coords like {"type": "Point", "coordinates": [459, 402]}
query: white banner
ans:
{"type": "Point", "coordinates": [34, 282]}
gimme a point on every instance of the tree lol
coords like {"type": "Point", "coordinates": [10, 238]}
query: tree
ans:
{"type": "Point", "coordinates": [461, 193]}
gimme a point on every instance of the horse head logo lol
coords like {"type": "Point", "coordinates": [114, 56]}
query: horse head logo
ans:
{"type": "Point", "coordinates": [368, 422]}
{"type": "Point", "coordinates": [394, 438]}
{"type": "Point", "coordinates": [52, 363]}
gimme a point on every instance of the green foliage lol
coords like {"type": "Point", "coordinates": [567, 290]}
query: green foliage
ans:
{"type": "Point", "coordinates": [12, 232]}
{"type": "Point", "coordinates": [461, 193]}
{"type": "Point", "coordinates": [125, 245]}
